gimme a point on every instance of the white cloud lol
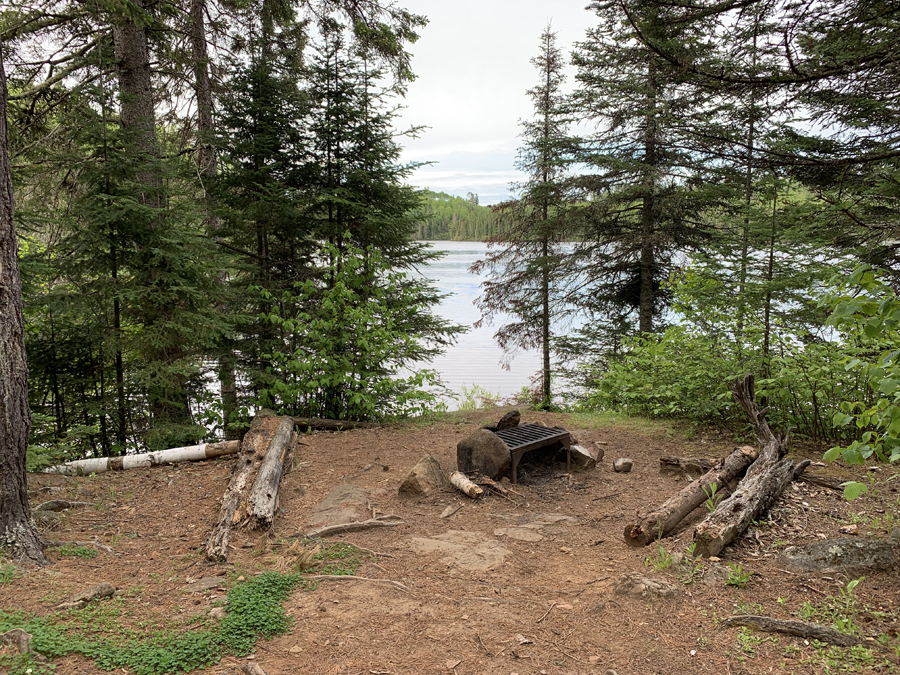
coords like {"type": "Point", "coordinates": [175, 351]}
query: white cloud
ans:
{"type": "Point", "coordinates": [473, 70]}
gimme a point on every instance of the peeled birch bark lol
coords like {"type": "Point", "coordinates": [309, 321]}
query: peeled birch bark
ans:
{"type": "Point", "coordinates": [464, 485]}
{"type": "Point", "coordinates": [253, 451]}
{"type": "Point", "coordinates": [190, 453]}
{"type": "Point", "coordinates": [264, 495]}
{"type": "Point", "coordinates": [763, 485]}
{"type": "Point", "coordinates": [666, 518]}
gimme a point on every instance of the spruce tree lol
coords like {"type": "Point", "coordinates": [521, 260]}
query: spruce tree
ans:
{"type": "Point", "coordinates": [645, 187]}
{"type": "Point", "coordinates": [525, 277]}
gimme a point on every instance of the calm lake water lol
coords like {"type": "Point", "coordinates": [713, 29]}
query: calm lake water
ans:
{"type": "Point", "coordinates": [476, 358]}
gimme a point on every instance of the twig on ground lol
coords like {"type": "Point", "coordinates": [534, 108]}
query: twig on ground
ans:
{"type": "Point", "coordinates": [614, 494]}
{"type": "Point", "coordinates": [351, 577]}
{"type": "Point", "coordinates": [552, 605]}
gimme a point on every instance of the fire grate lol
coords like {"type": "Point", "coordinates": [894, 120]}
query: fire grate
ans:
{"type": "Point", "coordinates": [532, 436]}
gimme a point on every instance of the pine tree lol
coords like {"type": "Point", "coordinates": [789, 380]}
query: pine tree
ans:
{"type": "Point", "coordinates": [17, 532]}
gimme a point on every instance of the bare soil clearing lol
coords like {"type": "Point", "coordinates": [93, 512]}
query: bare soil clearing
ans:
{"type": "Point", "coordinates": [517, 584]}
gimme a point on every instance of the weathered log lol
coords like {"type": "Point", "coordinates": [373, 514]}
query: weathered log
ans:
{"type": "Point", "coordinates": [663, 520]}
{"type": "Point", "coordinates": [802, 629]}
{"type": "Point", "coordinates": [264, 496]}
{"type": "Point", "coordinates": [190, 453]}
{"type": "Point", "coordinates": [464, 485]}
{"type": "Point", "coordinates": [696, 466]}
{"type": "Point", "coordinates": [331, 425]}
{"type": "Point", "coordinates": [760, 488]}
{"type": "Point", "coordinates": [253, 452]}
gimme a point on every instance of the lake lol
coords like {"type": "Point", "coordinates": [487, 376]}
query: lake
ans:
{"type": "Point", "coordinates": [475, 358]}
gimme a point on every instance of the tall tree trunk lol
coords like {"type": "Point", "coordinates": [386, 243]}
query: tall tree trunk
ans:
{"type": "Point", "coordinates": [17, 532]}
{"type": "Point", "coordinates": [206, 163]}
{"type": "Point", "coordinates": [167, 392]}
{"type": "Point", "coordinates": [648, 210]}
{"type": "Point", "coordinates": [137, 115]}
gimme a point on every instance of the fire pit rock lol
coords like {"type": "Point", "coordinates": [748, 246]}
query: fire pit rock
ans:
{"type": "Point", "coordinates": [485, 453]}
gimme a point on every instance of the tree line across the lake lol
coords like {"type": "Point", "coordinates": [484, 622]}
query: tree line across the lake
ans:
{"type": "Point", "coordinates": [213, 217]}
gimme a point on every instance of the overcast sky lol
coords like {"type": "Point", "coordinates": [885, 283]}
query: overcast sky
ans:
{"type": "Point", "coordinates": [472, 64]}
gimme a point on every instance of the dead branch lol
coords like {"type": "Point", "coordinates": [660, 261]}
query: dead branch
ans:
{"type": "Point", "coordinates": [380, 521]}
{"type": "Point", "coordinates": [802, 629]}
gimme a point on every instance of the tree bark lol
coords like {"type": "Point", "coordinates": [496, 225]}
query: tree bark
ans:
{"type": "Point", "coordinates": [763, 485]}
{"type": "Point", "coordinates": [17, 532]}
{"type": "Point", "coordinates": [661, 522]}
{"type": "Point", "coordinates": [137, 114]}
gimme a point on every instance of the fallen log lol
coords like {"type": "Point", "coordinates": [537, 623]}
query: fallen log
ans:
{"type": "Point", "coordinates": [264, 496]}
{"type": "Point", "coordinates": [761, 487]}
{"type": "Point", "coordinates": [696, 466]}
{"type": "Point", "coordinates": [663, 520]}
{"type": "Point", "coordinates": [254, 448]}
{"type": "Point", "coordinates": [331, 425]}
{"type": "Point", "coordinates": [190, 453]}
{"type": "Point", "coordinates": [464, 485]}
{"type": "Point", "coordinates": [810, 631]}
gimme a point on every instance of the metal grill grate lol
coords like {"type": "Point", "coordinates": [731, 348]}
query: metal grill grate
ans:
{"type": "Point", "coordinates": [532, 436]}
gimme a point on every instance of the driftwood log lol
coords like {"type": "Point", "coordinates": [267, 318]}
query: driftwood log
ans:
{"type": "Point", "coordinates": [263, 498]}
{"type": "Point", "coordinates": [190, 453]}
{"type": "Point", "coordinates": [696, 466]}
{"type": "Point", "coordinates": [257, 444]}
{"type": "Point", "coordinates": [663, 520]}
{"type": "Point", "coordinates": [761, 487]}
{"type": "Point", "coordinates": [331, 425]}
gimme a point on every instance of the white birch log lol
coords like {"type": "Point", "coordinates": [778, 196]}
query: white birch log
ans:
{"type": "Point", "coordinates": [464, 485]}
{"type": "Point", "coordinates": [190, 453]}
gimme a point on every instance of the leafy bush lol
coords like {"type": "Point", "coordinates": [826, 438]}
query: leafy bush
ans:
{"type": "Point", "coordinates": [869, 309]}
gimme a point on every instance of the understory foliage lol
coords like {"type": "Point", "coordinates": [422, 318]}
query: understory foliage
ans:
{"type": "Point", "coordinates": [342, 350]}
{"type": "Point", "coordinates": [254, 611]}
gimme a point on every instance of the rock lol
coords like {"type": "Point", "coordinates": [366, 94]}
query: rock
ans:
{"type": "Point", "coordinates": [636, 585]}
{"type": "Point", "coordinates": [252, 669]}
{"type": "Point", "coordinates": [836, 555]}
{"type": "Point", "coordinates": [80, 600]}
{"type": "Point", "coordinates": [203, 584]}
{"type": "Point", "coordinates": [344, 504]}
{"type": "Point", "coordinates": [426, 477]}
{"type": "Point", "coordinates": [484, 452]}
{"type": "Point", "coordinates": [585, 459]}
{"type": "Point", "coordinates": [623, 465]}
{"type": "Point", "coordinates": [21, 640]}
{"type": "Point", "coordinates": [217, 613]}
{"type": "Point", "coordinates": [509, 420]}
{"type": "Point", "coordinates": [895, 535]}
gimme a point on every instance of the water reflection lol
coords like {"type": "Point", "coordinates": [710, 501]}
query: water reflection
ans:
{"type": "Point", "coordinates": [476, 358]}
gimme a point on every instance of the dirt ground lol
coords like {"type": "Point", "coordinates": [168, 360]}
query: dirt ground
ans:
{"type": "Point", "coordinates": [521, 584]}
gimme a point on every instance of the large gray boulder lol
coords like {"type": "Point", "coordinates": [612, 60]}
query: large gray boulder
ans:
{"type": "Point", "coordinates": [484, 452]}
{"type": "Point", "coordinates": [836, 555]}
{"type": "Point", "coordinates": [426, 477]}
